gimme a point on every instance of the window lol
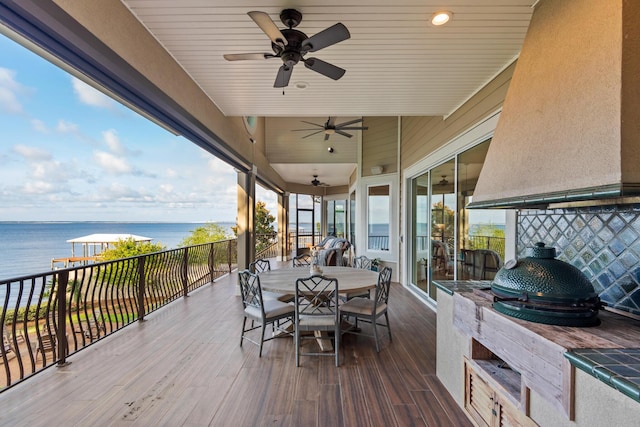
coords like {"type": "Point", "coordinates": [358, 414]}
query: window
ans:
{"type": "Point", "coordinates": [448, 241]}
{"type": "Point", "coordinates": [378, 217]}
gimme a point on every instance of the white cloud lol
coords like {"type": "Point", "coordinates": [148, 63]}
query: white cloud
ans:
{"type": "Point", "coordinates": [111, 163]}
{"type": "Point", "coordinates": [52, 171]}
{"type": "Point", "coordinates": [39, 126]}
{"type": "Point", "coordinates": [66, 127]}
{"type": "Point", "coordinates": [166, 188]}
{"type": "Point", "coordinates": [9, 89]}
{"type": "Point", "coordinates": [113, 142]}
{"type": "Point", "coordinates": [37, 187]}
{"type": "Point", "coordinates": [90, 96]}
{"type": "Point", "coordinates": [32, 154]}
{"type": "Point", "coordinates": [171, 173]}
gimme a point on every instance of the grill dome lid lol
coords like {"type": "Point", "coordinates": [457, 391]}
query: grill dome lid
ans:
{"type": "Point", "coordinates": [543, 277]}
{"type": "Point", "coordinates": [543, 289]}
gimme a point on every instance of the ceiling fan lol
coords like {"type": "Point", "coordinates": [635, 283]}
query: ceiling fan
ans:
{"type": "Point", "coordinates": [292, 45]}
{"type": "Point", "coordinates": [329, 128]}
{"type": "Point", "coordinates": [316, 182]}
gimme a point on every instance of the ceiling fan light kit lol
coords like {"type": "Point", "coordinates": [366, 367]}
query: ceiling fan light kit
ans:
{"type": "Point", "coordinates": [291, 45]}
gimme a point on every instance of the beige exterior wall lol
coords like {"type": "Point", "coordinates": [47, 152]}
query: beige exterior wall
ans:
{"type": "Point", "coordinates": [380, 144]}
{"type": "Point", "coordinates": [423, 135]}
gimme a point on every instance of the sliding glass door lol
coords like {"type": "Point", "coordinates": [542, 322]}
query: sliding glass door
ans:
{"type": "Point", "coordinates": [448, 241]}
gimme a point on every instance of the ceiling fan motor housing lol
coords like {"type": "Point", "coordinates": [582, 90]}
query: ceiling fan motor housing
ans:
{"type": "Point", "coordinates": [290, 54]}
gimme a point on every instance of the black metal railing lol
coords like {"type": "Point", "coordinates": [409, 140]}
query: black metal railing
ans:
{"type": "Point", "coordinates": [266, 245]}
{"type": "Point", "coordinates": [378, 243]}
{"type": "Point", "coordinates": [496, 244]}
{"type": "Point", "coordinates": [47, 317]}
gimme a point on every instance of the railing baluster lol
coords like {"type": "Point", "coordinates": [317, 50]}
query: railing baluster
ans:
{"type": "Point", "coordinates": [141, 289]}
{"type": "Point", "coordinates": [185, 282]}
{"type": "Point", "coordinates": [61, 332]}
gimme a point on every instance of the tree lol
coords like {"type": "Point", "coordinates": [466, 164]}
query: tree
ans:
{"type": "Point", "coordinates": [128, 247]}
{"type": "Point", "coordinates": [210, 232]}
{"type": "Point", "coordinates": [264, 229]}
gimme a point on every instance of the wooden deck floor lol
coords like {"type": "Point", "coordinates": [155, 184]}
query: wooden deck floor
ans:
{"type": "Point", "coordinates": [183, 366]}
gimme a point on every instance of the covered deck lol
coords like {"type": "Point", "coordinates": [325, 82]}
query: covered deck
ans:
{"type": "Point", "coordinates": [92, 245]}
{"type": "Point", "coordinates": [184, 366]}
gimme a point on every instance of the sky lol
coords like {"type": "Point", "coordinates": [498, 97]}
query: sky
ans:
{"type": "Point", "coordinates": [70, 153]}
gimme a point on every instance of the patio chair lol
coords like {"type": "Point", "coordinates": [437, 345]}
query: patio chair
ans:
{"type": "Point", "coordinates": [302, 260]}
{"type": "Point", "coordinates": [369, 310]}
{"type": "Point", "coordinates": [333, 252]}
{"type": "Point", "coordinates": [363, 263]}
{"type": "Point", "coordinates": [467, 260]}
{"type": "Point", "coordinates": [95, 326]}
{"type": "Point", "coordinates": [486, 263]}
{"type": "Point", "coordinates": [260, 266]}
{"type": "Point", "coordinates": [317, 310]}
{"type": "Point", "coordinates": [12, 333]}
{"type": "Point", "coordinates": [261, 310]}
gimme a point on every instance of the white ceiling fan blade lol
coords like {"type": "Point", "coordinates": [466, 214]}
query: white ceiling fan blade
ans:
{"type": "Point", "coordinates": [266, 24]}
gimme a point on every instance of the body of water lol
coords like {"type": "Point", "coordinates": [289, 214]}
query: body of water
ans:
{"type": "Point", "coordinates": [27, 247]}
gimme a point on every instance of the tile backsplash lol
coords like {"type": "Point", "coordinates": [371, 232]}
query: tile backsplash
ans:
{"type": "Point", "coordinates": [602, 241]}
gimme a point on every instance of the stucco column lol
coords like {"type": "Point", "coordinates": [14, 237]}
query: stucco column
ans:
{"type": "Point", "coordinates": [246, 218]}
{"type": "Point", "coordinates": [283, 227]}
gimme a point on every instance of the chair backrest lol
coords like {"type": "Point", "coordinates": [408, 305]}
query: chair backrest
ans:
{"type": "Point", "coordinates": [340, 244]}
{"type": "Point", "coordinates": [302, 260]}
{"type": "Point", "coordinates": [317, 296]}
{"type": "Point", "coordinates": [326, 242]}
{"type": "Point", "coordinates": [250, 290]}
{"type": "Point", "coordinates": [362, 262]}
{"type": "Point", "coordinates": [383, 286]}
{"type": "Point", "coordinates": [467, 256]}
{"type": "Point", "coordinates": [260, 265]}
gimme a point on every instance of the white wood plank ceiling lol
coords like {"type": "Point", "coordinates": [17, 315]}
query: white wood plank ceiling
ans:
{"type": "Point", "coordinates": [397, 62]}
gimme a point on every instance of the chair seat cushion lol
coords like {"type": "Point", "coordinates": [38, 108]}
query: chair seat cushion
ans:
{"type": "Point", "coordinates": [349, 295]}
{"type": "Point", "coordinates": [363, 306]}
{"type": "Point", "coordinates": [277, 296]}
{"type": "Point", "coordinates": [272, 308]}
{"type": "Point", "coordinates": [316, 321]}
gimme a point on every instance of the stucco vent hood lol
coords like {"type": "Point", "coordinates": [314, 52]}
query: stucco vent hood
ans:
{"type": "Point", "coordinates": [569, 129]}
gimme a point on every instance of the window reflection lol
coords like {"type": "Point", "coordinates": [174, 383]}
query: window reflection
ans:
{"type": "Point", "coordinates": [449, 241]}
{"type": "Point", "coordinates": [378, 218]}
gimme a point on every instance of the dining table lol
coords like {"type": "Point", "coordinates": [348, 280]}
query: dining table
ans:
{"type": "Point", "coordinates": [350, 280]}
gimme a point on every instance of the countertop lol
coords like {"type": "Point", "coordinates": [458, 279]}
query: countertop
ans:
{"type": "Point", "coordinates": [615, 357]}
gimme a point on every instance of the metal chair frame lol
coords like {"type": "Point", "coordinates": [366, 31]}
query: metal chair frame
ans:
{"type": "Point", "coordinates": [302, 260]}
{"type": "Point", "coordinates": [260, 265]}
{"type": "Point", "coordinates": [263, 311]}
{"type": "Point", "coordinates": [362, 262]}
{"type": "Point", "coordinates": [317, 309]}
{"type": "Point", "coordinates": [369, 310]}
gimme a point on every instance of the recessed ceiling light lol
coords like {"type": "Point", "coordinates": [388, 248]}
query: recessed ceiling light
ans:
{"type": "Point", "coordinates": [441, 17]}
{"type": "Point", "coordinates": [301, 85]}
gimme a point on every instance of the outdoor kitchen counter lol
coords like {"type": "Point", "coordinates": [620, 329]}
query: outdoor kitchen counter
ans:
{"type": "Point", "coordinates": [545, 355]}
